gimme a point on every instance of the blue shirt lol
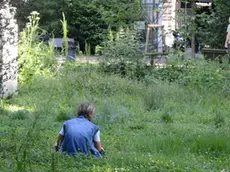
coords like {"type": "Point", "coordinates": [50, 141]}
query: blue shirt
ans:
{"type": "Point", "coordinates": [78, 137]}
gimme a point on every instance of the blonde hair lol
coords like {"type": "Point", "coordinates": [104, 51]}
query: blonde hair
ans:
{"type": "Point", "coordinates": [85, 109]}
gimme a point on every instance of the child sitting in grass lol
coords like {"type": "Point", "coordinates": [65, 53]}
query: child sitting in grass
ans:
{"type": "Point", "coordinates": [80, 135]}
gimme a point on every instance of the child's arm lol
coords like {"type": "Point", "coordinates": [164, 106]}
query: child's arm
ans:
{"type": "Point", "coordinates": [59, 142]}
{"type": "Point", "coordinates": [97, 142]}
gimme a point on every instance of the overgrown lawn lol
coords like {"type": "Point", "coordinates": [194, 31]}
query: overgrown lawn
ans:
{"type": "Point", "coordinates": [149, 125]}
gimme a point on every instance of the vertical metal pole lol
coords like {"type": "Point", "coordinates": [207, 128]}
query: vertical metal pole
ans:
{"type": "Point", "coordinates": [193, 28]}
{"type": "Point", "coordinates": [147, 40]}
{"type": "Point", "coordinates": [163, 39]}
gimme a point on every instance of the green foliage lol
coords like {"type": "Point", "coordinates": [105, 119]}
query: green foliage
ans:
{"type": "Point", "coordinates": [211, 145]}
{"type": "Point", "coordinates": [122, 55]}
{"type": "Point", "coordinates": [219, 119]}
{"type": "Point", "coordinates": [98, 50]}
{"type": "Point", "coordinates": [197, 73]}
{"type": "Point", "coordinates": [65, 37]}
{"type": "Point", "coordinates": [34, 56]}
{"type": "Point", "coordinates": [152, 125]}
{"type": "Point", "coordinates": [119, 13]}
{"type": "Point", "coordinates": [20, 115]}
{"type": "Point", "coordinates": [63, 115]}
{"type": "Point", "coordinates": [87, 20]}
{"type": "Point", "coordinates": [166, 117]}
{"type": "Point", "coordinates": [84, 79]}
{"type": "Point", "coordinates": [213, 27]}
{"type": "Point", "coordinates": [87, 49]}
{"type": "Point", "coordinates": [154, 97]}
{"type": "Point", "coordinates": [124, 47]}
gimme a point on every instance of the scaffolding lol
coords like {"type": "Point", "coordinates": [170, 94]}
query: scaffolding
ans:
{"type": "Point", "coordinates": [155, 47]}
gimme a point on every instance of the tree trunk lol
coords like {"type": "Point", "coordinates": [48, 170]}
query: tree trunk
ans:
{"type": "Point", "coordinates": [8, 50]}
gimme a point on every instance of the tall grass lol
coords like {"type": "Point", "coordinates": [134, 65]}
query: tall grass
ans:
{"type": "Point", "coordinates": [157, 134]}
{"type": "Point", "coordinates": [34, 55]}
{"type": "Point", "coordinates": [65, 37]}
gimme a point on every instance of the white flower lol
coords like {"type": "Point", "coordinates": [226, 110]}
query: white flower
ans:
{"type": "Point", "coordinates": [34, 13]}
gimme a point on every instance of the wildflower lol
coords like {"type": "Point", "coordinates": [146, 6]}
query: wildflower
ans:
{"type": "Point", "coordinates": [34, 13]}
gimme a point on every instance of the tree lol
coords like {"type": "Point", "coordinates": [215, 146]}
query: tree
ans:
{"type": "Point", "coordinates": [212, 27]}
{"type": "Point", "coordinates": [88, 20]}
{"type": "Point", "coordinates": [119, 13]}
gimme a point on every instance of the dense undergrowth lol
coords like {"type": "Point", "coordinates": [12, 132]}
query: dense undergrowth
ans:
{"type": "Point", "coordinates": [161, 123]}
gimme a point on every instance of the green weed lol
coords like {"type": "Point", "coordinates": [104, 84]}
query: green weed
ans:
{"type": "Point", "coordinates": [63, 116]}
{"type": "Point", "coordinates": [20, 115]}
{"type": "Point", "coordinates": [145, 126]}
{"type": "Point", "coordinates": [166, 117]}
{"type": "Point", "coordinates": [211, 145]}
{"type": "Point", "coordinates": [65, 37]}
{"type": "Point", "coordinates": [219, 119]}
{"type": "Point", "coordinates": [154, 97]}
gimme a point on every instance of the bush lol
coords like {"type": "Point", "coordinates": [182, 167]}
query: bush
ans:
{"type": "Point", "coordinates": [122, 55]}
{"type": "Point", "coordinates": [212, 26]}
{"type": "Point", "coordinates": [194, 73]}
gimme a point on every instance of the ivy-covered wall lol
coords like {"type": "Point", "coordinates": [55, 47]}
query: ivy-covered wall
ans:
{"type": "Point", "coordinates": [8, 49]}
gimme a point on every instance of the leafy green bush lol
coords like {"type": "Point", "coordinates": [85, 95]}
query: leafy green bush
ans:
{"type": "Point", "coordinates": [122, 55]}
{"type": "Point", "coordinates": [122, 48]}
{"type": "Point", "coordinates": [197, 73]}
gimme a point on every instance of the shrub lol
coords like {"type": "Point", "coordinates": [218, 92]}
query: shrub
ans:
{"type": "Point", "coordinates": [194, 73]}
{"type": "Point", "coordinates": [122, 55]}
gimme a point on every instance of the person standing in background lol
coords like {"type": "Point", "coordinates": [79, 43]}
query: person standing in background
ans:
{"type": "Point", "coordinates": [227, 40]}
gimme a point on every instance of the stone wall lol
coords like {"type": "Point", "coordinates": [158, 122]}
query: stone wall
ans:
{"type": "Point", "coordinates": [8, 49]}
